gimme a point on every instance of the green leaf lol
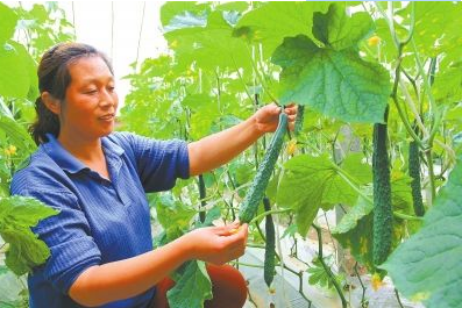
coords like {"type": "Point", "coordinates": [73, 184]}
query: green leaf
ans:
{"type": "Point", "coordinates": [201, 124]}
{"type": "Point", "coordinates": [3, 270]}
{"type": "Point", "coordinates": [175, 11]}
{"type": "Point", "coordinates": [354, 232]}
{"type": "Point", "coordinates": [448, 85]}
{"type": "Point", "coordinates": [174, 216]}
{"type": "Point", "coordinates": [354, 165]}
{"type": "Point", "coordinates": [273, 21]}
{"type": "Point", "coordinates": [17, 134]}
{"type": "Point", "coordinates": [8, 20]}
{"type": "Point", "coordinates": [290, 231]}
{"type": "Point", "coordinates": [18, 77]}
{"type": "Point", "coordinates": [427, 266]}
{"type": "Point", "coordinates": [310, 183]}
{"type": "Point", "coordinates": [336, 83]}
{"type": "Point", "coordinates": [319, 276]}
{"type": "Point", "coordinates": [437, 26]}
{"type": "Point", "coordinates": [212, 215]}
{"type": "Point", "coordinates": [210, 46]}
{"type": "Point", "coordinates": [17, 215]}
{"type": "Point", "coordinates": [193, 288]}
{"type": "Point", "coordinates": [338, 31]}
{"type": "Point", "coordinates": [238, 6]}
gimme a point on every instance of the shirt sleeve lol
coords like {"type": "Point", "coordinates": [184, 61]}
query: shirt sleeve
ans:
{"type": "Point", "coordinates": [159, 163]}
{"type": "Point", "coordinates": [67, 234]}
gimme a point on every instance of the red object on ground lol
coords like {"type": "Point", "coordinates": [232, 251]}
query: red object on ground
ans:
{"type": "Point", "coordinates": [228, 286]}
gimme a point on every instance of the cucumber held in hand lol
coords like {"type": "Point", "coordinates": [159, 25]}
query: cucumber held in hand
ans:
{"type": "Point", "coordinates": [257, 190]}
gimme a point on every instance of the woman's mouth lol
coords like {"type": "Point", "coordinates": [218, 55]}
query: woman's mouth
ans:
{"type": "Point", "coordinates": [108, 117]}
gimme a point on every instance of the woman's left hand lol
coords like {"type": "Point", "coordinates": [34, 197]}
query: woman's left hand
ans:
{"type": "Point", "coordinates": [267, 117]}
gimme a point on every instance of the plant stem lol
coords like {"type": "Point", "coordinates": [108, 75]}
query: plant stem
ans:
{"type": "Point", "coordinates": [248, 265]}
{"type": "Point", "coordinates": [327, 268]}
{"type": "Point", "coordinates": [264, 214]}
{"type": "Point", "coordinates": [413, 108]}
{"type": "Point", "coordinates": [368, 199]}
{"type": "Point", "coordinates": [363, 296]}
{"type": "Point", "coordinates": [398, 298]}
{"type": "Point", "coordinates": [431, 175]}
{"type": "Point", "coordinates": [407, 217]}
{"type": "Point", "coordinates": [299, 274]}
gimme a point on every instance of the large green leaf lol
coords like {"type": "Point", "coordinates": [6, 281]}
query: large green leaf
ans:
{"type": "Point", "coordinates": [211, 46]}
{"type": "Point", "coordinates": [310, 183]}
{"type": "Point", "coordinates": [192, 288]}
{"type": "Point", "coordinates": [427, 266]}
{"type": "Point", "coordinates": [17, 215]}
{"type": "Point", "coordinates": [8, 20]}
{"type": "Point", "coordinates": [354, 232]}
{"type": "Point", "coordinates": [17, 134]}
{"type": "Point", "coordinates": [178, 14]}
{"type": "Point", "coordinates": [336, 83]}
{"type": "Point", "coordinates": [338, 31]}
{"type": "Point", "coordinates": [174, 216]}
{"type": "Point", "coordinates": [3, 270]}
{"type": "Point", "coordinates": [273, 21]}
{"type": "Point", "coordinates": [17, 72]}
{"type": "Point", "coordinates": [354, 165]}
{"type": "Point", "coordinates": [448, 84]}
{"type": "Point", "coordinates": [437, 26]}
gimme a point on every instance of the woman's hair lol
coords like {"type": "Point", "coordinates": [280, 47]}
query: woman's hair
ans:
{"type": "Point", "coordinates": [54, 78]}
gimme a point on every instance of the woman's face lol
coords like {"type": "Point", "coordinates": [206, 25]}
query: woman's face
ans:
{"type": "Point", "coordinates": [91, 100]}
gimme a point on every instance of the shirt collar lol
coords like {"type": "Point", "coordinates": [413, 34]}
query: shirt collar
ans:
{"type": "Point", "coordinates": [68, 162]}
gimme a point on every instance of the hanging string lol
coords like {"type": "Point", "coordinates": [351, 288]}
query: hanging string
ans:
{"type": "Point", "coordinates": [139, 37]}
{"type": "Point", "coordinates": [73, 21]}
{"type": "Point", "coordinates": [112, 30]}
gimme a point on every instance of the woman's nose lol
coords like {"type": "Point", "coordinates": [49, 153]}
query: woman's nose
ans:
{"type": "Point", "coordinates": [108, 98]}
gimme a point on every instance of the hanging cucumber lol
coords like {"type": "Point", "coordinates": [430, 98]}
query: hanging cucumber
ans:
{"type": "Point", "coordinates": [414, 172]}
{"type": "Point", "coordinates": [383, 214]}
{"type": "Point", "coordinates": [257, 190]}
{"type": "Point", "coordinates": [269, 266]}
{"type": "Point", "coordinates": [202, 196]}
{"type": "Point", "coordinates": [299, 120]}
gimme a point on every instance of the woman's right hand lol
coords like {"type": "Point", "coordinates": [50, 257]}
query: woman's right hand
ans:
{"type": "Point", "coordinates": [218, 245]}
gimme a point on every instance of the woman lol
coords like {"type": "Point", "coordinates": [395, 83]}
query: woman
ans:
{"type": "Point", "coordinates": [100, 242]}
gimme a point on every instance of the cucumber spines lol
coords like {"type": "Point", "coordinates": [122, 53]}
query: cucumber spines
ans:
{"type": "Point", "coordinates": [383, 213]}
{"type": "Point", "coordinates": [256, 192]}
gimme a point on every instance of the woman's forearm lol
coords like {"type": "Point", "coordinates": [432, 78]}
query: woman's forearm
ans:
{"type": "Point", "coordinates": [123, 279]}
{"type": "Point", "coordinates": [219, 148]}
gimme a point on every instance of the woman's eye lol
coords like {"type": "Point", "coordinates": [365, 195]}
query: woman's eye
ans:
{"type": "Point", "coordinates": [91, 91]}
{"type": "Point", "coordinates": [111, 88]}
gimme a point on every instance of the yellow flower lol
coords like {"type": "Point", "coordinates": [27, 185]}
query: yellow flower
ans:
{"type": "Point", "coordinates": [11, 150]}
{"type": "Point", "coordinates": [376, 282]}
{"type": "Point", "coordinates": [291, 147]}
{"type": "Point", "coordinates": [373, 41]}
{"type": "Point", "coordinates": [174, 44]}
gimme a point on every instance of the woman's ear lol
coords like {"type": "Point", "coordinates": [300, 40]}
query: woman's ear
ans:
{"type": "Point", "coordinates": [53, 104]}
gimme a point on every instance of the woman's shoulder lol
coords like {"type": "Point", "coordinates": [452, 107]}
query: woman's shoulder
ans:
{"type": "Point", "coordinates": [38, 171]}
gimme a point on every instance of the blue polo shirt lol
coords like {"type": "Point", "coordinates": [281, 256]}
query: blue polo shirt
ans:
{"type": "Point", "coordinates": [100, 221]}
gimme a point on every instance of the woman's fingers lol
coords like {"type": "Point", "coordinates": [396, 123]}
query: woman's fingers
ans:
{"type": "Point", "coordinates": [291, 118]}
{"type": "Point", "coordinates": [291, 109]}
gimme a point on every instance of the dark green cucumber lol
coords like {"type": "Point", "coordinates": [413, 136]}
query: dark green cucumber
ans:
{"type": "Point", "coordinates": [299, 120]}
{"type": "Point", "coordinates": [269, 266]}
{"type": "Point", "coordinates": [414, 172]}
{"type": "Point", "coordinates": [257, 190]}
{"type": "Point", "coordinates": [383, 213]}
{"type": "Point", "coordinates": [202, 196]}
